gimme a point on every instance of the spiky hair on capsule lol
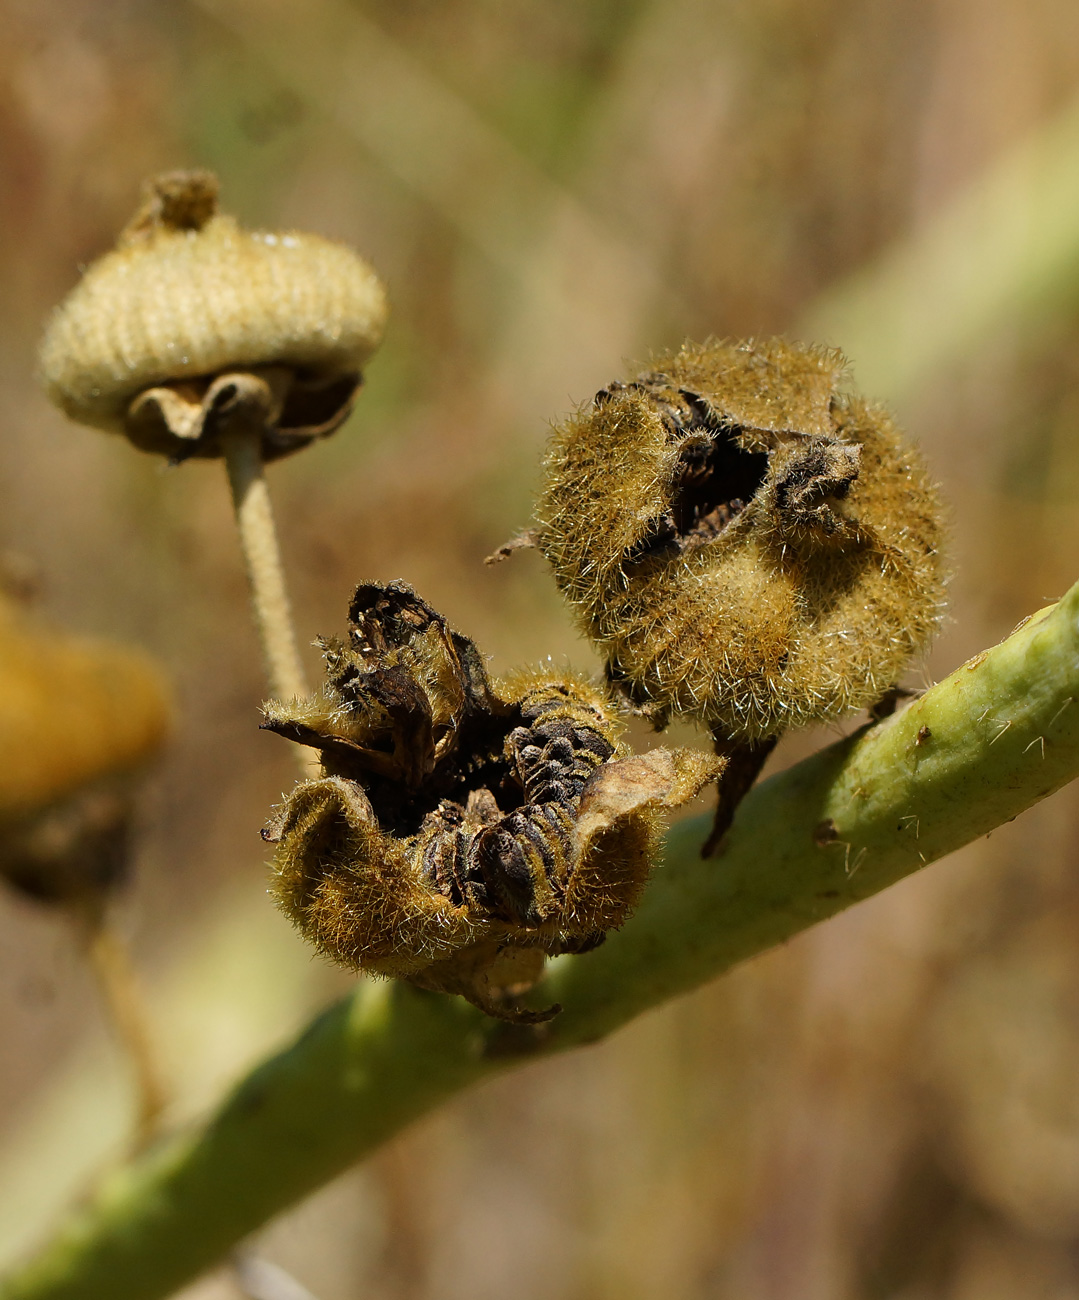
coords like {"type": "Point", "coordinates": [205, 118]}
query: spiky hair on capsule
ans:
{"type": "Point", "coordinates": [462, 830]}
{"type": "Point", "coordinates": [744, 542]}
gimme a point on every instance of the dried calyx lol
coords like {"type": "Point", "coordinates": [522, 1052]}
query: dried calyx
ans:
{"type": "Point", "coordinates": [745, 543]}
{"type": "Point", "coordinates": [192, 324]}
{"type": "Point", "coordinates": [462, 830]}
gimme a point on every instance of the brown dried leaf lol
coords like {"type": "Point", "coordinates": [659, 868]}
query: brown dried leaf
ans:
{"type": "Point", "coordinates": [662, 778]}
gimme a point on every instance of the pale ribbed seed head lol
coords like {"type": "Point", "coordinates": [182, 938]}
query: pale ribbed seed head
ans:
{"type": "Point", "coordinates": [188, 296]}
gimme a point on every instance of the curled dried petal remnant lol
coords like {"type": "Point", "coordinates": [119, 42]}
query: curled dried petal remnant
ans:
{"type": "Point", "coordinates": [190, 314]}
{"type": "Point", "coordinates": [462, 829]}
{"type": "Point", "coordinates": [745, 543]}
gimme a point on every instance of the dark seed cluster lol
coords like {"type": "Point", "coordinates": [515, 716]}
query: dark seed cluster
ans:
{"type": "Point", "coordinates": [745, 543]}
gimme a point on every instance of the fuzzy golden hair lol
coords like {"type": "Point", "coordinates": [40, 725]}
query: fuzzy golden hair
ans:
{"type": "Point", "coordinates": [746, 544]}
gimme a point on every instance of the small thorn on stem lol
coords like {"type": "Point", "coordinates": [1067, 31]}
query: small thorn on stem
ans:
{"type": "Point", "coordinates": [521, 542]}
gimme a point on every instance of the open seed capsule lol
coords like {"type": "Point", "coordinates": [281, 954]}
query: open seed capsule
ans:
{"type": "Point", "coordinates": [462, 830]}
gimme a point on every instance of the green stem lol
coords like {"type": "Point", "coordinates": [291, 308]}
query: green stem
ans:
{"type": "Point", "coordinates": [999, 734]}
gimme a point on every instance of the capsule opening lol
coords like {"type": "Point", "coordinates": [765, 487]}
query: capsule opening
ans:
{"type": "Point", "coordinates": [714, 482]}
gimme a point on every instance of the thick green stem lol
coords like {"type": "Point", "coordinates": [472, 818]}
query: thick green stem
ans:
{"type": "Point", "coordinates": [999, 734]}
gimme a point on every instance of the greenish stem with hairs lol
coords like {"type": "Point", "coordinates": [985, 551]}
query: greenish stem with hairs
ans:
{"type": "Point", "coordinates": [998, 735]}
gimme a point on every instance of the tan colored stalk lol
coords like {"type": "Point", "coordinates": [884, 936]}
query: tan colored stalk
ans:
{"type": "Point", "coordinates": [265, 573]}
{"type": "Point", "coordinates": [262, 556]}
{"type": "Point", "coordinates": [196, 338]}
{"type": "Point", "coordinates": [127, 1013]}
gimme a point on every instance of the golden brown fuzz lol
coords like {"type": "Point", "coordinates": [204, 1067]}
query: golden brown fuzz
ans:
{"type": "Point", "coordinates": [745, 544]}
{"type": "Point", "coordinates": [462, 830]}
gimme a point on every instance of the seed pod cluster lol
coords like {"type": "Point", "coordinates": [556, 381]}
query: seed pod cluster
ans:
{"type": "Point", "coordinates": [745, 543]}
{"type": "Point", "coordinates": [190, 313]}
{"type": "Point", "coordinates": [462, 830]}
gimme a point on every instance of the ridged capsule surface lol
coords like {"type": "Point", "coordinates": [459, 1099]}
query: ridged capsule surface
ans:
{"type": "Point", "coordinates": [188, 295]}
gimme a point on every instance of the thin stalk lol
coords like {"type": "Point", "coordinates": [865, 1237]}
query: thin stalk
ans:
{"type": "Point", "coordinates": [121, 994]}
{"type": "Point", "coordinates": [262, 556]}
{"type": "Point", "coordinates": [265, 574]}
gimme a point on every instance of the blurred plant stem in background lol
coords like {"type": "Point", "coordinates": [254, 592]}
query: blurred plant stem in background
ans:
{"type": "Point", "coordinates": [575, 275]}
{"type": "Point", "coordinates": [121, 992]}
{"type": "Point", "coordinates": [1004, 251]}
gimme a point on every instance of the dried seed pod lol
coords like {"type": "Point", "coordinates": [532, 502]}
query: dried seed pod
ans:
{"type": "Point", "coordinates": [78, 720]}
{"type": "Point", "coordinates": [191, 314]}
{"type": "Point", "coordinates": [746, 544]}
{"type": "Point", "coordinates": [462, 830]}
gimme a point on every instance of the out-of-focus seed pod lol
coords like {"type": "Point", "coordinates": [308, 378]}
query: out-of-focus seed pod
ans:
{"type": "Point", "coordinates": [462, 830]}
{"type": "Point", "coordinates": [746, 544]}
{"type": "Point", "coordinates": [191, 315]}
{"type": "Point", "coordinates": [78, 720]}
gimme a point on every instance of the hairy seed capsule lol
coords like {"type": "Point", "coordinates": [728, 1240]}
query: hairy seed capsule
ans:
{"type": "Point", "coordinates": [462, 830]}
{"type": "Point", "coordinates": [746, 544]}
{"type": "Point", "coordinates": [190, 310]}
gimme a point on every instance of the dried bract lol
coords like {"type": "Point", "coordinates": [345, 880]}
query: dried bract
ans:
{"type": "Point", "coordinates": [191, 314]}
{"type": "Point", "coordinates": [462, 829]}
{"type": "Point", "coordinates": [746, 544]}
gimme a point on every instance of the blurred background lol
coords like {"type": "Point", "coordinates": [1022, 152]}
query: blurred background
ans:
{"type": "Point", "coordinates": [888, 1106]}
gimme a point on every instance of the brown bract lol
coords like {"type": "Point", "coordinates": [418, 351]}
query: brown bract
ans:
{"type": "Point", "coordinates": [192, 318]}
{"type": "Point", "coordinates": [746, 544]}
{"type": "Point", "coordinates": [462, 830]}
